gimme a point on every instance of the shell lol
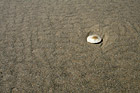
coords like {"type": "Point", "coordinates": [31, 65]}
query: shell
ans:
{"type": "Point", "coordinates": [95, 39]}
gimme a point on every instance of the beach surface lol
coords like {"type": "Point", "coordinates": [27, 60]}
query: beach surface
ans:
{"type": "Point", "coordinates": [43, 47]}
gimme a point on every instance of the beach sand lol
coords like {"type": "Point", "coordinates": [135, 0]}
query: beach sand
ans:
{"type": "Point", "coordinates": [43, 47]}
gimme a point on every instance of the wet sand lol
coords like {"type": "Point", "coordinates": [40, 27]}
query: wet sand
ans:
{"type": "Point", "coordinates": [43, 46]}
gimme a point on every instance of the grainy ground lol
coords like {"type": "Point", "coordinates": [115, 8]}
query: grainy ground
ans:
{"type": "Point", "coordinates": [43, 46]}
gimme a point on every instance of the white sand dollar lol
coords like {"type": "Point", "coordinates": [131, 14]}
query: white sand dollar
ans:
{"type": "Point", "coordinates": [95, 39]}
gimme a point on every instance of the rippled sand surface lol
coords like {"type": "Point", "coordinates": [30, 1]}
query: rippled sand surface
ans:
{"type": "Point", "coordinates": [43, 46]}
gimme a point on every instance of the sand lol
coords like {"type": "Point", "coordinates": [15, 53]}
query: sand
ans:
{"type": "Point", "coordinates": [43, 47]}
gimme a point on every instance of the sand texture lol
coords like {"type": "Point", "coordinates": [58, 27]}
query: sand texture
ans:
{"type": "Point", "coordinates": [43, 47]}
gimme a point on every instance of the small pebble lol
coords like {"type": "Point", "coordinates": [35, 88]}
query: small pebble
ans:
{"type": "Point", "coordinates": [95, 39]}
